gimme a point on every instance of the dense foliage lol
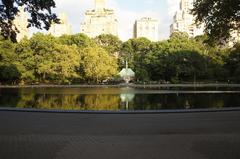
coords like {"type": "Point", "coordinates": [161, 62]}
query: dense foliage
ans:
{"type": "Point", "coordinates": [219, 16]}
{"type": "Point", "coordinates": [46, 59]}
{"type": "Point", "coordinates": [179, 59]}
{"type": "Point", "coordinates": [79, 59]}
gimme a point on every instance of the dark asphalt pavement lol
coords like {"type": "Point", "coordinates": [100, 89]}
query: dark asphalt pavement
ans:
{"type": "Point", "coordinates": [202, 135]}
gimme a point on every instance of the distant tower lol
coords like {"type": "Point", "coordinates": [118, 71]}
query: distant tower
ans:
{"type": "Point", "coordinates": [99, 21]}
{"type": "Point", "coordinates": [146, 27]}
{"type": "Point", "coordinates": [62, 28]}
{"type": "Point", "coordinates": [100, 5]}
{"type": "Point", "coordinates": [21, 23]}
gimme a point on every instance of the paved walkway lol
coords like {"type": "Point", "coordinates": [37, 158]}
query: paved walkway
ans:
{"type": "Point", "coordinates": [36, 135]}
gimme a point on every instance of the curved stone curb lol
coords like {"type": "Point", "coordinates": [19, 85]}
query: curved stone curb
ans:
{"type": "Point", "coordinates": [121, 112]}
{"type": "Point", "coordinates": [125, 85]}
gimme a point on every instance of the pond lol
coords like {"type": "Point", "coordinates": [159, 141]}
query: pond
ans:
{"type": "Point", "coordinates": [119, 98]}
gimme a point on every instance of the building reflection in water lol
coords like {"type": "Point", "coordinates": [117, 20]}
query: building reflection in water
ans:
{"type": "Point", "coordinates": [127, 98]}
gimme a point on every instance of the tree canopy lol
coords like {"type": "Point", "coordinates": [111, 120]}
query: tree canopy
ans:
{"type": "Point", "coordinates": [233, 63]}
{"type": "Point", "coordinates": [175, 60]}
{"type": "Point", "coordinates": [110, 43]}
{"type": "Point", "coordinates": [80, 59]}
{"type": "Point", "coordinates": [97, 64]}
{"type": "Point", "coordinates": [220, 17]}
{"type": "Point", "coordinates": [40, 12]}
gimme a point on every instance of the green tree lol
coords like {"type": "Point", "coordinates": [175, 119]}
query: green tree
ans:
{"type": "Point", "coordinates": [155, 61]}
{"type": "Point", "coordinates": [66, 60]}
{"type": "Point", "coordinates": [80, 40]}
{"type": "Point", "coordinates": [46, 60]}
{"type": "Point", "coordinates": [185, 66]}
{"type": "Point", "coordinates": [135, 50]}
{"type": "Point", "coordinates": [7, 54]}
{"type": "Point", "coordinates": [43, 47]}
{"type": "Point", "coordinates": [126, 53]}
{"type": "Point", "coordinates": [110, 43]}
{"type": "Point", "coordinates": [174, 59]}
{"type": "Point", "coordinates": [219, 16]}
{"type": "Point", "coordinates": [27, 59]}
{"type": "Point", "coordinates": [40, 13]}
{"type": "Point", "coordinates": [9, 74]}
{"type": "Point", "coordinates": [180, 41]}
{"type": "Point", "coordinates": [233, 63]}
{"type": "Point", "coordinates": [97, 64]}
{"type": "Point", "coordinates": [9, 71]}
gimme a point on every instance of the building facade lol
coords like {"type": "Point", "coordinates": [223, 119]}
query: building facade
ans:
{"type": "Point", "coordinates": [234, 38]}
{"type": "Point", "coordinates": [21, 23]}
{"type": "Point", "coordinates": [184, 21]}
{"type": "Point", "coordinates": [146, 27]}
{"type": "Point", "coordinates": [61, 29]}
{"type": "Point", "coordinates": [99, 21]}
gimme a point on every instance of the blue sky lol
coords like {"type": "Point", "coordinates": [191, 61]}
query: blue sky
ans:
{"type": "Point", "coordinates": [127, 12]}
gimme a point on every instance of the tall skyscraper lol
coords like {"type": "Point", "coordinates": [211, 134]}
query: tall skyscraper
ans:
{"type": "Point", "coordinates": [146, 27]}
{"type": "Point", "coordinates": [62, 28]}
{"type": "Point", "coordinates": [99, 21]}
{"type": "Point", "coordinates": [21, 23]}
{"type": "Point", "coordinates": [184, 21]}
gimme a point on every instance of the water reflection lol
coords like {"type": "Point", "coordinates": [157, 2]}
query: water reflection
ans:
{"type": "Point", "coordinates": [69, 102]}
{"type": "Point", "coordinates": [126, 98]}
{"type": "Point", "coordinates": [113, 99]}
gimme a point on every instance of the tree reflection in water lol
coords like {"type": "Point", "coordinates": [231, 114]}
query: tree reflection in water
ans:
{"type": "Point", "coordinates": [112, 99]}
{"type": "Point", "coordinates": [70, 102]}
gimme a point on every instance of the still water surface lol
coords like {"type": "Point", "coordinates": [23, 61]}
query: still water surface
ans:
{"type": "Point", "coordinates": [116, 99]}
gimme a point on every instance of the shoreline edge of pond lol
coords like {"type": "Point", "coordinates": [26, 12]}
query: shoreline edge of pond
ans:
{"type": "Point", "coordinates": [122, 85]}
{"type": "Point", "coordinates": [175, 111]}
